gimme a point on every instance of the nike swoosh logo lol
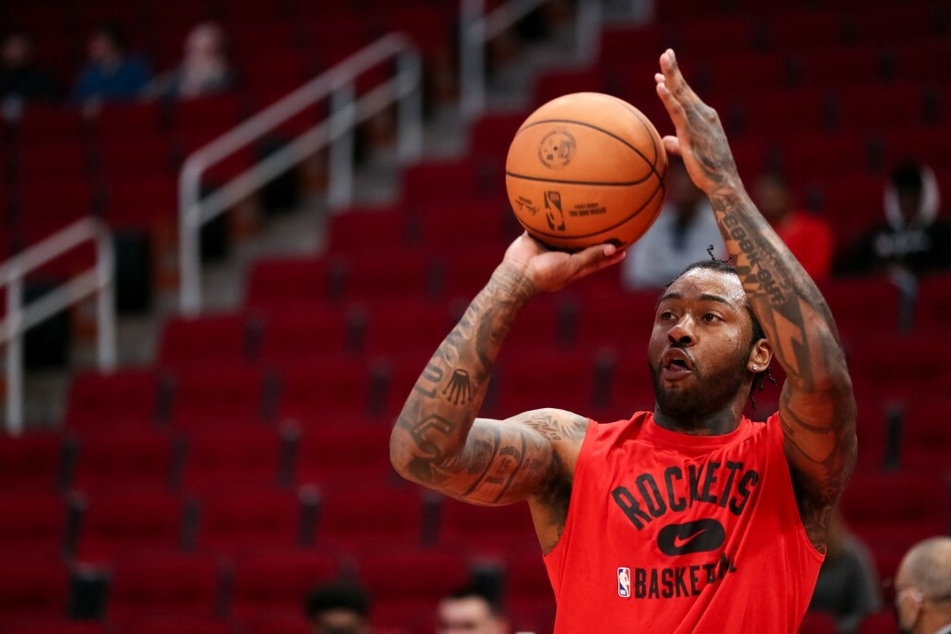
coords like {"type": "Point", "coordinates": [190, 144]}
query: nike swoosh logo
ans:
{"type": "Point", "coordinates": [698, 536]}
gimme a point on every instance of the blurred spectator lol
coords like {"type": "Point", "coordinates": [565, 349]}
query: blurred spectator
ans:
{"type": "Point", "coordinates": [470, 610]}
{"type": "Point", "coordinates": [923, 588]}
{"type": "Point", "coordinates": [681, 235]}
{"type": "Point", "coordinates": [912, 239]}
{"type": "Point", "coordinates": [204, 69]}
{"type": "Point", "coordinates": [338, 608]}
{"type": "Point", "coordinates": [847, 587]}
{"type": "Point", "coordinates": [111, 74]}
{"type": "Point", "coordinates": [807, 236]}
{"type": "Point", "coordinates": [20, 78]}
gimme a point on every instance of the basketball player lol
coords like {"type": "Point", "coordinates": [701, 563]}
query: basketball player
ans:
{"type": "Point", "coordinates": [923, 588]}
{"type": "Point", "coordinates": [690, 518]}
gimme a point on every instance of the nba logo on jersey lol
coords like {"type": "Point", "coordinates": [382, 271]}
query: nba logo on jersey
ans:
{"type": "Point", "coordinates": [624, 583]}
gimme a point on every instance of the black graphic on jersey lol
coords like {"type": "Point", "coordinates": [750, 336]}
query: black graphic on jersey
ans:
{"type": "Point", "coordinates": [699, 536]}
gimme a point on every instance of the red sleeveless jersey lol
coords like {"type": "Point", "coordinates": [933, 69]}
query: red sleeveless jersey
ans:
{"type": "Point", "coordinates": [668, 532]}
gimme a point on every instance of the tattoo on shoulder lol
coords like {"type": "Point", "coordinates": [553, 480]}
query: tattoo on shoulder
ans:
{"type": "Point", "coordinates": [555, 427]}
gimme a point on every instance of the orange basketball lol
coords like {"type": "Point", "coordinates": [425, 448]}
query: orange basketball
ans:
{"type": "Point", "coordinates": [585, 169]}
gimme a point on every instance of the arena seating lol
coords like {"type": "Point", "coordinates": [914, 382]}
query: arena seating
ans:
{"type": "Point", "coordinates": [213, 487]}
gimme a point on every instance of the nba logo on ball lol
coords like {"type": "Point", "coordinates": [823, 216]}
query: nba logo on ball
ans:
{"type": "Point", "coordinates": [624, 583]}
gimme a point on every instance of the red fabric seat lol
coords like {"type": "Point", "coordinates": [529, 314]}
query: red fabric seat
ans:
{"type": "Point", "coordinates": [210, 392]}
{"type": "Point", "coordinates": [443, 182]}
{"type": "Point", "coordinates": [900, 367]}
{"type": "Point", "coordinates": [273, 282]}
{"type": "Point", "coordinates": [325, 390]}
{"type": "Point", "coordinates": [863, 307]}
{"type": "Point", "coordinates": [127, 519]}
{"type": "Point", "coordinates": [182, 624]}
{"type": "Point", "coordinates": [359, 518]}
{"type": "Point", "coordinates": [225, 338]}
{"type": "Point", "coordinates": [815, 622]}
{"type": "Point", "coordinates": [31, 461]}
{"type": "Point", "coordinates": [545, 378]}
{"type": "Point", "coordinates": [926, 437]}
{"type": "Point", "coordinates": [33, 586]}
{"type": "Point", "coordinates": [44, 624]}
{"type": "Point", "coordinates": [271, 582]}
{"type": "Point", "coordinates": [310, 332]}
{"type": "Point", "coordinates": [124, 457]}
{"type": "Point", "coordinates": [236, 520]}
{"type": "Point", "coordinates": [33, 522]}
{"type": "Point", "coordinates": [450, 230]}
{"type": "Point", "coordinates": [934, 302]}
{"type": "Point", "coordinates": [115, 400]}
{"type": "Point", "coordinates": [395, 272]}
{"type": "Point", "coordinates": [332, 455]}
{"type": "Point", "coordinates": [219, 456]}
{"type": "Point", "coordinates": [487, 531]}
{"type": "Point", "coordinates": [361, 230]}
{"type": "Point", "coordinates": [141, 200]}
{"type": "Point", "coordinates": [879, 623]}
{"type": "Point", "coordinates": [162, 584]}
{"type": "Point", "coordinates": [405, 326]}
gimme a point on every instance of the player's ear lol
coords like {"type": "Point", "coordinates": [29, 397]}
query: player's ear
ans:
{"type": "Point", "coordinates": [761, 353]}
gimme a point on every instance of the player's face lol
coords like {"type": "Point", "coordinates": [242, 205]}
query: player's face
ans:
{"type": "Point", "coordinates": [700, 344]}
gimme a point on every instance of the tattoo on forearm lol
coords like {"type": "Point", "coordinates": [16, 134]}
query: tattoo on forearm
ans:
{"type": "Point", "coordinates": [458, 390]}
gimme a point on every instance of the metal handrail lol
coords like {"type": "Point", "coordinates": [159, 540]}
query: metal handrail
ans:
{"type": "Point", "coordinates": [20, 318]}
{"type": "Point", "coordinates": [347, 111]}
{"type": "Point", "coordinates": [476, 28]}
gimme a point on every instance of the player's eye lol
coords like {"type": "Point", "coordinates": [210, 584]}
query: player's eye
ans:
{"type": "Point", "coordinates": [710, 317]}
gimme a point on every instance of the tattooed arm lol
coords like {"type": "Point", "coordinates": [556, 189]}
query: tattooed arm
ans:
{"type": "Point", "coordinates": [438, 441]}
{"type": "Point", "coordinates": [817, 408]}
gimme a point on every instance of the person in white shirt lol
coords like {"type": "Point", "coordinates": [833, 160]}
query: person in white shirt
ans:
{"type": "Point", "coordinates": [681, 235]}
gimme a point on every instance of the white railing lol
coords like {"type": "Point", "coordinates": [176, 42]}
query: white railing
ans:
{"type": "Point", "coordinates": [476, 28]}
{"type": "Point", "coordinates": [339, 84]}
{"type": "Point", "coordinates": [98, 280]}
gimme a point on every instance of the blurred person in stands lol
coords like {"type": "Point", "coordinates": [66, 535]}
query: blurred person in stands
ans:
{"type": "Point", "coordinates": [923, 588]}
{"type": "Point", "coordinates": [338, 608]}
{"type": "Point", "coordinates": [470, 610]}
{"type": "Point", "coordinates": [21, 80]}
{"type": "Point", "coordinates": [204, 69]}
{"type": "Point", "coordinates": [912, 239]}
{"type": "Point", "coordinates": [809, 237]}
{"type": "Point", "coordinates": [690, 517]}
{"type": "Point", "coordinates": [848, 586]}
{"type": "Point", "coordinates": [682, 233]}
{"type": "Point", "coordinates": [112, 73]}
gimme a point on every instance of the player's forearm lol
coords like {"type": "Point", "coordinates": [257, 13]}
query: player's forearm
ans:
{"type": "Point", "coordinates": [432, 428]}
{"type": "Point", "coordinates": [787, 302]}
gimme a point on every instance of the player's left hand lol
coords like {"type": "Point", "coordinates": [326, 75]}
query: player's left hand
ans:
{"type": "Point", "coordinates": [700, 140]}
{"type": "Point", "coordinates": [553, 270]}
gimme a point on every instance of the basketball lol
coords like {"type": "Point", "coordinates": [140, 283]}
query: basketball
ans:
{"type": "Point", "coordinates": [585, 169]}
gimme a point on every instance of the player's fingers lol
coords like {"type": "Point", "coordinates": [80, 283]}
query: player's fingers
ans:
{"type": "Point", "coordinates": [672, 145]}
{"type": "Point", "coordinates": [674, 78]}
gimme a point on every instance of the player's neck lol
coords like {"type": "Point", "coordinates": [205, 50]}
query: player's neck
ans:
{"type": "Point", "coordinates": [715, 424]}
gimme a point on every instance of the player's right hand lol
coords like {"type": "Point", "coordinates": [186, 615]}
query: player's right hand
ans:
{"type": "Point", "coordinates": [553, 270]}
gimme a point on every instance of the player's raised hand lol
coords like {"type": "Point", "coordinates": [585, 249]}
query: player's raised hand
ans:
{"type": "Point", "coordinates": [553, 270]}
{"type": "Point", "coordinates": [700, 138]}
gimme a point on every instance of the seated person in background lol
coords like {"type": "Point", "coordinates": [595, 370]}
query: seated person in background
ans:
{"type": "Point", "coordinates": [204, 68]}
{"type": "Point", "coordinates": [682, 233]}
{"type": "Point", "coordinates": [847, 586]}
{"type": "Point", "coordinates": [470, 610]}
{"type": "Point", "coordinates": [912, 239]}
{"type": "Point", "coordinates": [111, 74]}
{"type": "Point", "coordinates": [20, 78]}
{"type": "Point", "coordinates": [808, 237]}
{"type": "Point", "coordinates": [923, 588]}
{"type": "Point", "coordinates": [338, 608]}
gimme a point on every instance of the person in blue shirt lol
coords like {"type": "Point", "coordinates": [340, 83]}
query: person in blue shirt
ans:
{"type": "Point", "coordinates": [111, 74]}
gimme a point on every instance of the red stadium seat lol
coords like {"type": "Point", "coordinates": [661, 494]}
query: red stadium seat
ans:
{"type": "Point", "coordinates": [361, 518]}
{"type": "Point", "coordinates": [326, 390]}
{"type": "Point", "coordinates": [487, 532]}
{"type": "Point", "coordinates": [33, 522]}
{"type": "Point", "coordinates": [902, 368]}
{"type": "Point", "coordinates": [131, 518]}
{"type": "Point", "coordinates": [332, 455]}
{"type": "Point", "coordinates": [934, 302]}
{"type": "Point", "coordinates": [364, 230]}
{"type": "Point", "coordinates": [883, 622]}
{"type": "Point", "coordinates": [406, 325]}
{"type": "Point", "coordinates": [275, 282]}
{"type": "Point", "coordinates": [44, 624]}
{"type": "Point", "coordinates": [863, 307]}
{"type": "Point", "coordinates": [219, 392]}
{"type": "Point", "coordinates": [33, 586]}
{"type": "Point", "coordinates": [110, 401]}
{"type": "Point", "coordinates": [181, 624]}
{"type": "Point", "coordinates": [406, 273]}
{"type": "Point", "coordinates": [162, 584]}
{"type": "Point", "coordinates": [926, 437]}
{"type": "Point", "coordinates": [225, 338]}
{"type": "Point", "coordinates": [815, 622]}
{"type": "Point", "coordinates": [243, 519]}
{"type": "Point", "coordinates": [544, 378]}
{"type": "Point", "coordinates": [271, 582]}
{"type": "Point", "coordinates": [31, 461]}
{"type": "Point", "coordinates": [310, 332]}
{"type": "Point", "coordinates": [218, 455]}
{"type": "Point", "coordinates": [124, 457]}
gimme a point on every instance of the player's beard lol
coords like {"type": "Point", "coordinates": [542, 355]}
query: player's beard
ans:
{"type": "Point", "coordinates": [706, 393]}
